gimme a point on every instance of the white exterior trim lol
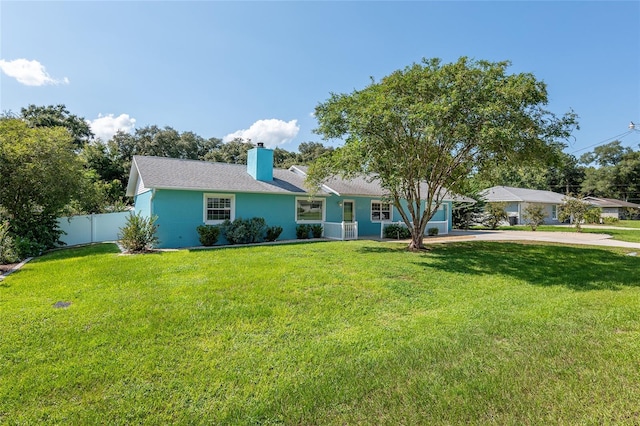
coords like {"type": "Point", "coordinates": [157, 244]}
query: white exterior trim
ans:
{"type": "Point", "coordinates": [323, 209]}
{"type": "Point", "coordinates": [380, 220]}
{"type": "Point", "coordinates": [219, 195]}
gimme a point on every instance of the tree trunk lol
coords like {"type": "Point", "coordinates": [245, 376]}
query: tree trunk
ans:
{"type": "Point", "coordinates": [417, 239]}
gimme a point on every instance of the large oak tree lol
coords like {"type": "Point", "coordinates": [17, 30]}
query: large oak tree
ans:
{"type": "Point", "coordinates": [425, 129]}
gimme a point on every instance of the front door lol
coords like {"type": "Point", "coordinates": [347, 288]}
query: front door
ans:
{"type": "Point", "coordinates": [347, 211]}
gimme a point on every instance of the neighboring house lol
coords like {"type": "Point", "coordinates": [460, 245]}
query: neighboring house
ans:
{"type": "Point", "coordinates": [612, 208]}
{"type": "Point", "coordinates": [517, 200]}
{"type": "Point", "coordinates": [184, 194]}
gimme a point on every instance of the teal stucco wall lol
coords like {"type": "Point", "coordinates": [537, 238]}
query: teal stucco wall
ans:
{"type": "Point", "coordinates": [362, 209]}
{"type": "Point", "coordinates": [142, 203]}
{"type": "Point", "coordinates": [180, 212]}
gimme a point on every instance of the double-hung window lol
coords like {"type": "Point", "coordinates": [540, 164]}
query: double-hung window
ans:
{"type": "Point", "coordinates": [380, 211]}
{"type": "Point", "coordinates": [218, 208]}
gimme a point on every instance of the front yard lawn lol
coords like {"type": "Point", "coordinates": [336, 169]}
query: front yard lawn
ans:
{"type": "Point", "coordinates": [355, 332]}
{"type": "Point", "coordinates": [630, 235]}
{"type": "Point", "coordinates": [628, 223]}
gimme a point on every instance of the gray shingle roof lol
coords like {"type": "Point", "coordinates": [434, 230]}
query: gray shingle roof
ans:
{"type": "Point", "coordinates": [509, 194]}
{"type": "Point", "coordinates": [610, 202]}
{"type": "Point", "coordinates": [361, 186]}
{"type": "Point", "coordinates": [172, 173]}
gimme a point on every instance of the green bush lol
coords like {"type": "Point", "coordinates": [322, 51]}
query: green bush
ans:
{"type": "Point", "coordinates": [273, 232]}
{"type": "Point", "coordinates": [593, 215]}
{"type": "Point", "coordinates": [26, 247]}
{"type": "Point", "coordinates": [432, 232]}
{"type": "Point", "coordinates": [397, 231]}
{"type": "Point", "coordinates": [302, 231]}
{"type": "Point", "coordinates": [464, 215]}
{"type": "Point", "coordinates": [609, 219]}
{"type": "Point", "coordinates": [35, 234]}
{"type": "Point", "coordinates": [574, 209]}
{"type": "Point", "coordinates": [139, 233]}
{"type": "Point", "coordinates": [316, 230]}
{"type": "Point", "coordinates": [208, 234]}
{"type": "Point", "coordinates": [534, 215]}
{"type": "Point", "coordinates": [8, 252]}
{"type": "Point", "coordinates": [242, 231]}
{"type": "Point", "coordinates": [495, 214]}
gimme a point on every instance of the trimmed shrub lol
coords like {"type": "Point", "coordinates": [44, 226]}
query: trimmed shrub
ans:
{"type": "Point", "coordinates": [139, 233]}
{"type": "Point", "coordinates": [208, 234]}
{"type": "Point", "coordinates": [242, 231]}
{"type": "Point", "coordinates": [316, 230]}
{"type": "Point", "coordinates": [302, 231]}
{"type": "Point", "coordinates": [273, 232]}
{"type": "Point", "coordinates": [432, 232]}
{"type": "Point", "coordinates": [397, 231]}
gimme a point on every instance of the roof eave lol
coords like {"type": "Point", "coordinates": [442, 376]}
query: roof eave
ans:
{"type": "Point", "coordinates": [134, 175]}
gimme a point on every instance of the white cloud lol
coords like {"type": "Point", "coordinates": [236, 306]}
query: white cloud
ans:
{"type": "Point", "coordinates": [272, 132]}
{"type": "Point", "coordinates": [29, 73]}
{"type": "Point", "coordinates": [105, 126]}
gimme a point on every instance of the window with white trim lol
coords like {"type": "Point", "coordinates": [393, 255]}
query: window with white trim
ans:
{"type": "Point", "coordinates": [218, 208]}
{"type": "Point", "coordinates": [309, 210]}
{"type": "Point", "coordinates": [380, 211]}
{"type": "Point", "coordinates": [554, 212]}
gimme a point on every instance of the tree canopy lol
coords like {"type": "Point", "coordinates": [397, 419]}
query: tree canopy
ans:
{"type": "Point", "coordinates": [58, 116]}
{"type": "Point", "coordinates": [40, 173]}
{"type": "Point", "coordinates": [436, 124]}
{"type": "Point", "coordinates": [616, 173]}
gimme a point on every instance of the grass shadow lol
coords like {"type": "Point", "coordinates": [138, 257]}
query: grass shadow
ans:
{"type": "Point", "coordinates": [77, 251]}
{"type": "Point", "coordinates": [381, 249]}
{"type": "Point", "coordinates": [577, 268]}
{"type": "Point", "coordinates": [260, 244]}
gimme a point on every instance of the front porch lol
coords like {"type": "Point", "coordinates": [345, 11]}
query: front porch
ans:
{"type": "Point", "coordinates": [349, 230]}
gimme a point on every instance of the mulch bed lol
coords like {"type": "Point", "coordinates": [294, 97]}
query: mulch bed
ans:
{"type": "Point", "coordinates": [6, 268]}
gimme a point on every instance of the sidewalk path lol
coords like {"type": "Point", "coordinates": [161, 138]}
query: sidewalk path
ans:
{"type": "Point", "coordinates": [552, 237]}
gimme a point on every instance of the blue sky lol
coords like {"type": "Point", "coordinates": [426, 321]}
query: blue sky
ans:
{"type": "Point", "coordinates": [258, 69]}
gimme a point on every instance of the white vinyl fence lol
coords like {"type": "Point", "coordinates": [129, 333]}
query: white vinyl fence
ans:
{"type": "Point", "coordinates": [92, 228]}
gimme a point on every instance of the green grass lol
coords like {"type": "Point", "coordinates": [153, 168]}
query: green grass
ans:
{"type": "Point", "coordinates": [632, 235]}
{"type": "Point", "coordinates": [324, 333]}
{"type": "Point", "coordinates": [628, 223]}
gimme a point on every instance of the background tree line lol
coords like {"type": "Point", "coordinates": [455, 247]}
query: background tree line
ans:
{"type": "Point", "coordinates": [609, 171]}
{"type": "Point", "coordinates": [51, 165]}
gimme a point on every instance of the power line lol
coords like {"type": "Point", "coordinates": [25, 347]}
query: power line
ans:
{"type": "Point", "coordinates": [621, 135]}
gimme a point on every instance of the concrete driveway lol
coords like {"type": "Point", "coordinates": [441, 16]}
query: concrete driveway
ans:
{"type": "Point", "coordinates": [550, 237]}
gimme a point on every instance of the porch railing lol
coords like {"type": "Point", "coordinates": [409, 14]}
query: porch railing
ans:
{"type": "Point", "coordinates": [341, 230]}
